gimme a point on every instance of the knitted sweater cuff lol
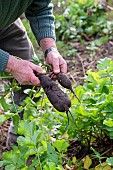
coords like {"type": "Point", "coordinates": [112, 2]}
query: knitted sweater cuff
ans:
{"type": "Point", "coordinates": [46, 34]}
{"type": "Point", "coordinates": [4, 56]}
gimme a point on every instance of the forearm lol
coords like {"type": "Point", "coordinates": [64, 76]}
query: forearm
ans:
{"type": "Point", "coordinates": [4, 57]}
{"type": "Point", "coordinates": [46, 43]}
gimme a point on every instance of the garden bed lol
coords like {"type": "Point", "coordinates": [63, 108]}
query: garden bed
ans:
{"type": "Point", "coordinates": [77, 68]}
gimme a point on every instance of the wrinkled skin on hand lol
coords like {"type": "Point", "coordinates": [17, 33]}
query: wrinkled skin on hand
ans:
{"type": "Point", "coordinates": [55, 59]}
{"type": "Point", "coordinates": [23, 71]}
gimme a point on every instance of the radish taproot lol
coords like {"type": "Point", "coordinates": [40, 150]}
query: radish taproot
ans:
{"type": "Point", "coordinates": [56, 96]}
{"type": "Point", "coordinates": [66, 83]}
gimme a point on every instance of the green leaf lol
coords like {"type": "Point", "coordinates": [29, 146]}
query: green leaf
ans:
{"type": "Point", "coordinates": [110, 161]}
{"type": "Point", "coordinates": [26, 128]}
{"type": "Point", "coordinates": [31, 168]}
{"type": "Point", "coordinates": [25, 141]}
{"type": "Point", "coordinates": [36, 136]}
{"type": "Point", "coordinates": [101, 41]}
{"type": "Point", "coordinates": [30, 113]}
{"type": "Point", "coordinates": [16, 119]}
{"type": "Point", "coordinates": [2, 119]}
{"type": "Point", "coordinates": [108, 122]}
{"type": "Point", "coordinates": [10, 167]}
{"type": "Point", "coordinates": [61, 145]}
{"type": "Point", "coordinates": [29, 152]}
{"type": "Point", "coordinates": [104, 63]}
{"type": "Point", "coordinates": [50, 166]}
{"type": "Point", "coordinates": [52, 156]}
{"type": "Point", "coordinates": [10, 157]}
{"type": "Point", "coordinates": [41, 150]}
{"type": "Point", "coordinates": [1, 163]}
{"type": "Point", "coordinates": [93, 77]}
{"type": "Point", "coordinates": [111, 135]}
{"type": "Point", "coordinates": [4, 104]}
{"type": "Point", "coordinates": [5, 117]}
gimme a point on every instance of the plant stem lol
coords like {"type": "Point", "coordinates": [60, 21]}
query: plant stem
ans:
{"type": "Point", "coordinates": [39, 163]}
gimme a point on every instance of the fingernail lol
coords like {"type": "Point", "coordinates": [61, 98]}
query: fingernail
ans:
{"type": "Point", "coordinates": [43, 72]}
{"type": "Point", "coordinates": [56, 71]}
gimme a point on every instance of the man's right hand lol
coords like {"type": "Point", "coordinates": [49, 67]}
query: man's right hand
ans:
{"type": "Point", "coordinates": [23, 71]}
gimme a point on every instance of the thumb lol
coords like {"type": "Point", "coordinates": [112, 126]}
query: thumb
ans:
{"type": "Point", "coordinates": [34, 80]}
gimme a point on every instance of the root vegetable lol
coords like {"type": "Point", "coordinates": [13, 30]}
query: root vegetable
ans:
{"type": "Point", "coordinates": [56, 96]}
{"type": "Point", "coordinates": [66, 83]}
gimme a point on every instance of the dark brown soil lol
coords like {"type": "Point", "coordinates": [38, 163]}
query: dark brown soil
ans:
{"type": "Point", "coordinates": [80, 63]}
{"type": "Point", "coordinates": [104, 147]}
{"type": "Point", "coordinates": [3, 136]}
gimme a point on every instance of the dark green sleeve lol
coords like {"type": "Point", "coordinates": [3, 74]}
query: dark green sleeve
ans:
{"type": "Point", "coordinates": [4, 56]}
{"type": "Point", "coordinates": [41, 18]}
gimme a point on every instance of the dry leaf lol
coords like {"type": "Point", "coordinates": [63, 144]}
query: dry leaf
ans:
{"type": "Point", "coordinates": [74, 159]}
{"type": "Point", "coordinates": [87, 162]}
{"type": "Point", "coordinates": [104, 166]}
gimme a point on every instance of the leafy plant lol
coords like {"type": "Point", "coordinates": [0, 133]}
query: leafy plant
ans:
{"type": "Point", "coordinates": [82, 19]}
{"type": "Point", "coordinates": [93, 116]}
{"type": "Point", "coordinates": [42, 131]}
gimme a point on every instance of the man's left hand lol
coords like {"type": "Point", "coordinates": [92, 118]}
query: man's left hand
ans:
{"type": "Point", "coordinates": [56, 60]}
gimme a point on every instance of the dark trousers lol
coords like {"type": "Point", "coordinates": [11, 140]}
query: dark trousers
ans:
{"type": "Point", "coordinates": [14, 40]}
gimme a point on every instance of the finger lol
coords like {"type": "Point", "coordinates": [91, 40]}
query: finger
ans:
{"type": "Point", "coordinates": [63, 67]}
{"type": "Point", "coordinates": [21, 82]}
{"type": "Point", "coordinates": [26, 83]}
{"type": "Point", "coordinates": [34, 80]}
{"type": "Point", "coordinates": [38, 69]}
{"type": "Point", "coordinates": [56, 67]}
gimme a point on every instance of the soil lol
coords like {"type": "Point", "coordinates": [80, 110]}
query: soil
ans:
{"type": "Point", "coordinates": [104, 148]}
{"type": "Point", "coordinates": [77, 67]}
{"type": "Point", "coordinates": [80, 63]}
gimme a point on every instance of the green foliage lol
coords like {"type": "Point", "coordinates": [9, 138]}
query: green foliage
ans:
{"type": "Point", "coordinates": [42, 131]}
{"type": "Point", "coordinates": [34, 141]}
{"type": "Point", "coordinates": [110, 161]}
{"type": "Point", "coordinates": [79, 18]}
{"type": "Point", "coordinates": [61, 145]}
{"type": "Point", "coordinates": [93, 116]}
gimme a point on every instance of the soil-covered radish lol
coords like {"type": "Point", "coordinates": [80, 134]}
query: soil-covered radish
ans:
{"type": "Point", "coordinates": [56, 96]}
{"type": "Point", "coordinates": [66, 83]}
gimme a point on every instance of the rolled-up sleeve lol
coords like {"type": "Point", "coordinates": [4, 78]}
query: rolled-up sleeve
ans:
{"type": "Point", "coordinates": [41, 18]}
{"type": "Point", "coordinates": [4, 56]}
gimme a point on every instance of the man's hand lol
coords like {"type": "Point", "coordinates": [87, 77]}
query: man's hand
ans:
{"type": "Point", "coordinates": [23, 71]}
{"type": "Point", "coordinates": [55, 59]}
